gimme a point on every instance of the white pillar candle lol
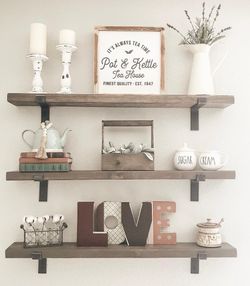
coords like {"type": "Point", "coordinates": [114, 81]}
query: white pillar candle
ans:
{"type": "Point", "coordinates": [38, 38]}
{"type": "Point", "coordinates": [67, 37]}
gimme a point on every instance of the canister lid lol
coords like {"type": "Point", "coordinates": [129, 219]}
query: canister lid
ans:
{"type": "Point", "coordinates": [185, 148]}
{"type": "Point", "coordinates": [209, 224]}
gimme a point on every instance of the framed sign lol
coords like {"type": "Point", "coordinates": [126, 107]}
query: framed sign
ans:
{"type": "Point", "coordinates": [129, 60]}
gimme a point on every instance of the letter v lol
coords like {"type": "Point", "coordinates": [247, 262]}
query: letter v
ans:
{"type": "Point", "coordinates": [137, 234]}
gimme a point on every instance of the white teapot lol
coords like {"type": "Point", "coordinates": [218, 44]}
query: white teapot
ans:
{"type": "Point", "coordinates": [212, 160]}
{"type": "Point", "coordinates": [185, 158]}
{"type": "Point", "coordinates": [54, 141]}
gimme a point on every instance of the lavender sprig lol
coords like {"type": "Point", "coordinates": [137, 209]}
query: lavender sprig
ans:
{"type": "Point", "coordinates": [202, 29]}
{"type": "Point", "coordinates": [176, 30]}
{"type": "Point", "coordinates": [189, 19]}
{"type": "Point", "coordinates": [216, 15]}
{"type": "Point", "coordinates": [203, 19]}
{"type": "Point", "coordinates": [203, 11]}
{"type": "Point", "coordinates": [210, 14]}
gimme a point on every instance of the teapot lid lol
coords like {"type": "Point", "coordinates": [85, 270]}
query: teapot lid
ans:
{"type": "Point", "coordinates": [209, 224]}
{"type": "Point", "coordinates": [185, 148]}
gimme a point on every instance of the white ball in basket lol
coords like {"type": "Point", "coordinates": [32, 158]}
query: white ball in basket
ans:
{"type": "Point", "coordinates": [43, 219]}
{"type": "Point", "coordinates": [58, 218]}
{"type": "Point", "coordinates": [29, 219]}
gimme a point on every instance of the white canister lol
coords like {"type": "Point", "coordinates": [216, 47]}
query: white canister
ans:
{"type": "Point", "coordinates": [212, 160]}
{"type": "Point", "coordinates": [209, 234]}
{"type": "Point", "coordinates": [185, 158]}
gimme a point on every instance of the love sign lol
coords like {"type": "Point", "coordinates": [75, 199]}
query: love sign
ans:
{"type": "Point", "coordinates": [129, 60]}
{"type": "Point", "coordinates": [114, 223]}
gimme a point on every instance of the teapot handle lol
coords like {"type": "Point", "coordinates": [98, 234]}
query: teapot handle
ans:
{"type": "Point", "coordinates": [24, 140]}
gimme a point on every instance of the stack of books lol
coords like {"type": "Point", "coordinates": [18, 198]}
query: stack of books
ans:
{"type": "Point", "coordinates": [56, 162]}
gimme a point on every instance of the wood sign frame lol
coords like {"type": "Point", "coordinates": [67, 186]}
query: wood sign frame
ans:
{"type": "Point", "coordinates": [129, 60]}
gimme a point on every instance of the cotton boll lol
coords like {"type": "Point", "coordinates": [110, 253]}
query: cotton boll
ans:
{"type": "Point", "coordinates": [62, 218]}
{"type": "Point", "coordinates": [43, 219]}
{"type": "Point", "coordinates": [30, 219]}
{"type": "Point", "coordinates": [40, 219]}
{"type": "Point", "coordinates": [24, 219]}
{"type": "Point", "coordinates": [57, 218]}
{"type": "Point", "coordinates": [46, 218]}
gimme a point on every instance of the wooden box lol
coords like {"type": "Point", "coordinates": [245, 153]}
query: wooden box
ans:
{"type": "Point", "coordinates": [127, 162]}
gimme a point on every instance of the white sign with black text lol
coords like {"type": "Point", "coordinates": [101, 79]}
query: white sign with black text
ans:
{"type": "Point", "coordinates": [129, 60]}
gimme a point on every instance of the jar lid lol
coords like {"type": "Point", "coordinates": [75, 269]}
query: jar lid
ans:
{"type": "Point", "coordinates": [185, 148]}
{"type": "Point", "coordinates": [209, 224]}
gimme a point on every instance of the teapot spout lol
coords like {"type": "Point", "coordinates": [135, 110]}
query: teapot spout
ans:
{"type": "Point", "coordinates": [64, 136]}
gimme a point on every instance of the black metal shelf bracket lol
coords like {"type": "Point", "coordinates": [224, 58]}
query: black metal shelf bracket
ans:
{"type": "Point", "coordinates": [195, 262]}
{"type": "Point", "coordinates": [42, 262]}
{"type": "Point", "coordinates": [45, 109]}
{"type": "Point", "coordinates": [43, 187]}
{"type": "Point", "coordinates": [194, 185]}
{"type": "Point", "coordinates": [194, 112]}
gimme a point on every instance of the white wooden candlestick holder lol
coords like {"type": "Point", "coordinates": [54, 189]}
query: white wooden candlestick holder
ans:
{"type": "Point", "coordinates": [37, 61]}
{"type": "Point", "coordinates": [66, 50]}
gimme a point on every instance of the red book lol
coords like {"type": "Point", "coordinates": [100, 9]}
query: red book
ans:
{"type": "Point", "coordinates": [44, 161]}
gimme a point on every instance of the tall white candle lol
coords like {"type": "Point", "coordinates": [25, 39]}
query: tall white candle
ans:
{"type": "Point", "coordinates": [38, 39]}
{"type": "Point", "coordinates": [67, 37]}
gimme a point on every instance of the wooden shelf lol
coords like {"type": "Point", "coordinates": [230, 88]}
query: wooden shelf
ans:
{"type": "Point", "coordinates": [194, 176]}
{"type": "Point", "coordinates": [120, 175]}
{"type": "Point", "coordinates": [118, 100]}
{"type": "Point", "coordinates": [70, 250]}
{"type": "Point", "coordinates": [45, 101]}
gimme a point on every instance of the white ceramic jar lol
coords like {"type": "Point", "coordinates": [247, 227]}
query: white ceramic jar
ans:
{"type": "Point", "coordinates": [209, 234]}
{"type": "Point", "coordinates": [212, 160]}
{"type": "Point", "coordinates": [185, 158]}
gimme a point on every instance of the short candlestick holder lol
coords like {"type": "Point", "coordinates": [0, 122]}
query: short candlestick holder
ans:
{"type": "Point", "coordinates": [37, 61]}
{"type": "Point", "coordinates": [66, 51]}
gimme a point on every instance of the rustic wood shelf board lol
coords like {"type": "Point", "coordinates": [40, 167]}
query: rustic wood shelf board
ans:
{"type": "Point", "coordinates": [70, 250]}
{"type": "Point", "coordinates": [119, 100]}
{"type": "Point", "coordinates": [121, 175]}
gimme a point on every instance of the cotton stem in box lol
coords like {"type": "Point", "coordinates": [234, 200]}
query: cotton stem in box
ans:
{"type": "Point", "coordinates": [131, 148]}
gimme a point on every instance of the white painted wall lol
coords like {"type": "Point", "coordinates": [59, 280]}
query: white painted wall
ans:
{"type": "Point", "coordinates": [226, 130]}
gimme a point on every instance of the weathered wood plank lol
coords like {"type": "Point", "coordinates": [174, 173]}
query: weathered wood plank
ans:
{"type": "Point", "coordinates": [70, 250]}
{"type": "Point", "coordinates": [119, 100]}
{"type": "Point", "coordinates": [127, 123]}
{"type": "Point", "coordinates": [217, 101]}
{"type": "Point", "coordinates": [129, 28]}
{"type": "Point", "coordinates": [122, 175]}
{"type": "Point", "coordinates": [131, 162]}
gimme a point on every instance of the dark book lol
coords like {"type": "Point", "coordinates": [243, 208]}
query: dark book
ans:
{"type": "Point", "coordinates": [44, 167]}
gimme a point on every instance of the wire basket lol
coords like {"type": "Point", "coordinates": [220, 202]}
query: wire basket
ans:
{"type": "Point", "coordinates": [42, 238]}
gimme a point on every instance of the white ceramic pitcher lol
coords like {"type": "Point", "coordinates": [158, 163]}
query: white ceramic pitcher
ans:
{"type": "Point", "coordinates": [201, 76]}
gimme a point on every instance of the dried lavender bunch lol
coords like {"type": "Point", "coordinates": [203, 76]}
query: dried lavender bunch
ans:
{"type": "Point", "coordinates": [202, 29]}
